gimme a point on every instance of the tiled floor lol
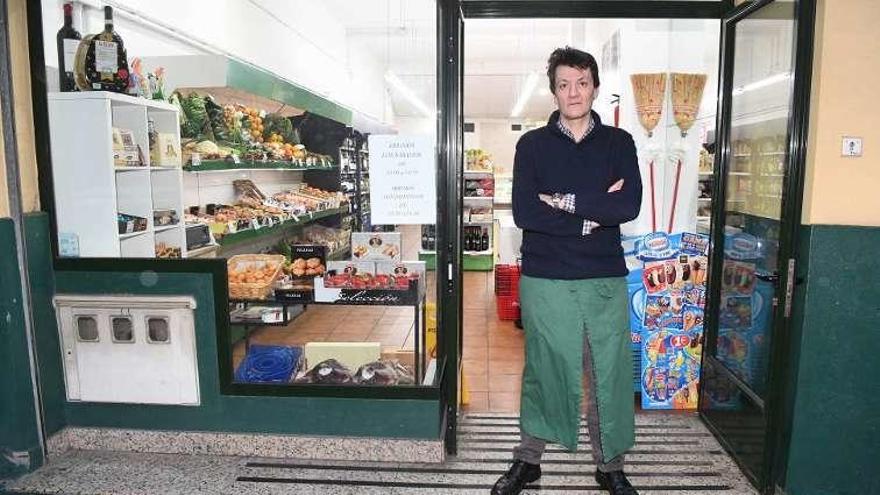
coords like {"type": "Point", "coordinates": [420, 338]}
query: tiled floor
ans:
{"type": "Point", "coordinates": [492, 360]}
{"type": "Point", "coordinates": [493, 349]}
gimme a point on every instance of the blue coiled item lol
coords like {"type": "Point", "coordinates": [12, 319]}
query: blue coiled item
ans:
{"type": "Point", "coordinates": [269, 364]}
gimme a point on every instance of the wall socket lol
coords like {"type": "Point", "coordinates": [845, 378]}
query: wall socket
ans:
{"type": "Point", "coordinates": [851, 146]}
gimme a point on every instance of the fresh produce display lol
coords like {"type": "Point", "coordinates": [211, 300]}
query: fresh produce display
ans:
{"type": "Point", "coordinates": [478, 160]}
{"type": "Point", "coordinates": [216, 132]}
{"type": "Point", "coordinates": [193, 117]}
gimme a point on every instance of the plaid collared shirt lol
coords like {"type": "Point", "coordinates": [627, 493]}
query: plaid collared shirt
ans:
{"type": "Point", "coordinates": [567, 131]}
{"type": "Point", "coordinates": [567, 201]}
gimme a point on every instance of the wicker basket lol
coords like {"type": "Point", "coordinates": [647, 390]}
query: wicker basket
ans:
{"type": "Point", "coordinates": [242, 290]}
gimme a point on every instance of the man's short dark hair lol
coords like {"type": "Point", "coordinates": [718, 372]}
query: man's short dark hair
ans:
{"type": "Point", "coordinates": [571, 57]}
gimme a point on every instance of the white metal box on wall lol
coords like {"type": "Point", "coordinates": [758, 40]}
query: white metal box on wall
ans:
{"type": "Point", "coordinates": [129, 349]}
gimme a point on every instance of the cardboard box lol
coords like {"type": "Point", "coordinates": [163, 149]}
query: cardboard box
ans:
{"type": "Point", "coordinates": [375, 246]}
{"type": "Point", "coordinates": [342, 274]}
{"type": "Point", "coordinates": [405, 357]}
{"type": "Point", "coordinates": [402, 272]}
{"type": "Point", "coordinates": [351, 354]}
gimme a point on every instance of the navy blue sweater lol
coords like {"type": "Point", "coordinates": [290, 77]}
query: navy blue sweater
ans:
{"type": "Point", "coordinates": [548, 161]}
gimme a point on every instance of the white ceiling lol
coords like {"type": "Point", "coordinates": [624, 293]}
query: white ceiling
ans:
{"type": "Point", "coordinates": [499, 53]}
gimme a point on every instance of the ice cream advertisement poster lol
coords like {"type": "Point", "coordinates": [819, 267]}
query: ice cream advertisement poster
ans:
{"type": "Point", "coordinates": [668, 307]}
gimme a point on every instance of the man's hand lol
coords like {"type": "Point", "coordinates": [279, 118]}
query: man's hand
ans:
{"type": "Point", "coordinates": [617, 186]}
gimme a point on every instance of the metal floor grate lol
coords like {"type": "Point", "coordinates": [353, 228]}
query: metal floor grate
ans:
{"type": "Point", "coordinates": [673, 454]}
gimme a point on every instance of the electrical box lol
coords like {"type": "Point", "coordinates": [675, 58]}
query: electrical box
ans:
{"type": "Point", "coordinates": [128, 349]}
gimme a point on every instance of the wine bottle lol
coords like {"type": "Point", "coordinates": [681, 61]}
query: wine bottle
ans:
{"type": "Point", "coordinates": [425, 239]}
{"type": "Point", "coordinates": [67, 41]}
{"type": "Point", "coordinates": [484, 241]}
{"type": "Point", "coordinates": [105, 62]}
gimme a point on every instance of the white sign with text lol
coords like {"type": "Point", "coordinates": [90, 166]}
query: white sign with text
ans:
{"type": "Point", "coordinates": [402, 180]}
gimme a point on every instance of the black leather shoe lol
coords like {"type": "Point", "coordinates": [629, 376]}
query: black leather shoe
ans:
{"type": "Point", "coordinates": [513, 481]}
{"type": "Point", "coordinates": [615, 482]}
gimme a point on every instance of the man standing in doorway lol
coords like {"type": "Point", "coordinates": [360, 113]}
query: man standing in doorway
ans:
{"type": "Point", "coordinates": [575, 181]}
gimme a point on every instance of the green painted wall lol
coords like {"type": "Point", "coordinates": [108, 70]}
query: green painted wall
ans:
{"type": "Point", "coordinates": [42, 280]}
{"type": "Point", "coordinates": [18, 428]}
{"type": "Point", "coordinates": [300, 415]}
{"type": "Point", "coordinates": [835, 429]}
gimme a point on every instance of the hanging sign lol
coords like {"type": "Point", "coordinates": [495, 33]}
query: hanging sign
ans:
{"type": "Point", "coordinates": [402, 180]}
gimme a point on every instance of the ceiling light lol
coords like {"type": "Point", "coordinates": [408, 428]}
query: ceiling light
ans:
{"type": "Point", "coordinates": [762, 83]}
{"type": "Point", "coordinates": [407, 93]}
{"type": "Point", "coordinates": [528, 88]}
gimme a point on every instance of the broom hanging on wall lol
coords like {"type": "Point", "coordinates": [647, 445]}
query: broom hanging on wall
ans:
{"type": "Point", "coordinates": [687, 93]}
{"type": "Point", "coordinates": [649, 90]}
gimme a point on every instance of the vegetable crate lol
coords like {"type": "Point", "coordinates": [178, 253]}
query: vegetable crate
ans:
{"type": "Point", "coordinates": [507, 291]}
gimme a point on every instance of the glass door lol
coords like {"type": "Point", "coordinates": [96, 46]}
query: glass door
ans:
{"type": "Point", "coordinates": [761, 150]}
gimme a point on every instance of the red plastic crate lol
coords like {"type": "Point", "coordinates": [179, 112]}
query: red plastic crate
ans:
{"type": "Point", "coordinates": [508, 307]}
{"type": "Point", "coordinates": [507, 280]}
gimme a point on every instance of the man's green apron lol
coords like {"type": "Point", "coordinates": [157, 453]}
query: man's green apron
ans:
{"type": "Point", "coordinates": [557, 315]}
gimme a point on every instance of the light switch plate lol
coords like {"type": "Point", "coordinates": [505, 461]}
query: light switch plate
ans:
{"type": "Point", "coordinates": [851, 146]}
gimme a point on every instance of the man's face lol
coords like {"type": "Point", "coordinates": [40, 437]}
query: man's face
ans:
{"type": "Point", "coordinates": [574, 92]}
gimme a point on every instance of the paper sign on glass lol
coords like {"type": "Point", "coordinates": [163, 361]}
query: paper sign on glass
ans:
{"type": "Point", "coordinates": [402, 180]}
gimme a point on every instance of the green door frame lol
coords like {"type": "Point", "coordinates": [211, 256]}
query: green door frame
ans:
{"type": "Point", "coordinates": [776, 412]}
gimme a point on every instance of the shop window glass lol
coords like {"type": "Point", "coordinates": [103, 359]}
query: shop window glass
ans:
{"type": "Point", "coordinates": [87, 329]}
{"type": "Point", "coordinates": [295, 140]}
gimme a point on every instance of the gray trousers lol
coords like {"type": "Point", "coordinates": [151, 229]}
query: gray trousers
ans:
{"type": "Point", "coordinates": [531, 448]}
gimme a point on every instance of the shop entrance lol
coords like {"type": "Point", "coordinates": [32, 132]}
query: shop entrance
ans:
{"type": "Point", "coordinates": [690, 196]}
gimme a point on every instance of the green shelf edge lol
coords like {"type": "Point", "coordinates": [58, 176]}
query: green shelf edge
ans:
{"type": "Point", "coordinates": [430, 260]}
{"type": "Point", "coordinates": [262, 83]}
{"type": "Point", "coordinates": [251, 234]}
{"type": "Point", "coordinates": [220, 165]}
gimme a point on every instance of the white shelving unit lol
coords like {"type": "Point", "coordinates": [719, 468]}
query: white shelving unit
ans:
{"type": "Point", "coordinates": [90, 191]}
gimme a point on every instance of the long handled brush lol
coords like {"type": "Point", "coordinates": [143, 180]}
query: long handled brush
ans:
{"type": "Point", "coordinates": [649, 90]}
{"type": "Point", "coordinates": [687, 93]}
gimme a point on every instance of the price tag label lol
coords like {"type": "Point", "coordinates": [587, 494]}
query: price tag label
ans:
{"type": "Point", "coordinates": [106, 57]}
{"type": "Point", "coordinates": [255, 224]}
{"type": "Point", "coordinates": [232, 226]}
{"type": "Point", "coordinates": [236, 160]}
{"type": "Point", "coordinates": [196, 159]}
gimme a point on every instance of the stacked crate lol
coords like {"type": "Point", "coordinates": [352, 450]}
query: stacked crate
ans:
{"type": "Point", "coordinates": [507, 291]}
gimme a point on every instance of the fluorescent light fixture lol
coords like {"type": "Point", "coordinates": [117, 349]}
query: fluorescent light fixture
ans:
{"type": "Point", "coordinates": [407, 93]}
{"type": "Point", "coordinates": [762, 83]}
{"type": "Point", "coordinates": [526, 93]}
